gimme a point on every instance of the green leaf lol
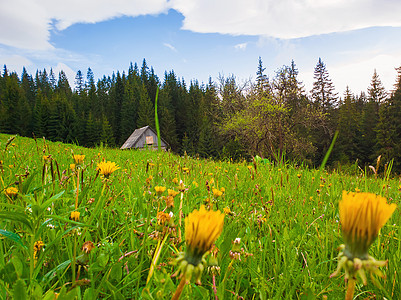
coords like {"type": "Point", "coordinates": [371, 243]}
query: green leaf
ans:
{"type": "Point", "coordinates": [51, 199]}
{"type": "Point", "coordinates": [27, 183]}
{"type": "Point", "coordinates": [60, 268]}
{"type": "Point", "coordinates": [102, 260]}
{"type": "Point", "coordinates": [13, 236]}
{"type": "Point", "coordinates": [16, 216]}
{"type": "Point", "coordinates": [64, 295]}
{"type": "Point", "coordinates": [19, 290]}
{"type": "Point", "coordinates": [50, 295]}
{"type": "Point", "coordinates": [116, 272]}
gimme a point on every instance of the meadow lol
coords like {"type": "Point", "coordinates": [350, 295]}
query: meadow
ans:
{"type": "Point", "coordinates": [72, 233]}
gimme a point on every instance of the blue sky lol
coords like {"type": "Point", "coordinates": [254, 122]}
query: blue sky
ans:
{"type": "Point", "coordinates": [199, 39]}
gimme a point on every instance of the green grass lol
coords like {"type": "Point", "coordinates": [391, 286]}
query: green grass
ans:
{"type": "Point", "coordinates": [286, 216]}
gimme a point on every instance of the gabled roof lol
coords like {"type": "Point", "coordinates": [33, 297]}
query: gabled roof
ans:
{"type": "Point", "coordinates": [136, 135]}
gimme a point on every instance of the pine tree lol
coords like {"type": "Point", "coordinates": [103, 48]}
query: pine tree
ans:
{"type": "Point", "coordinates": [346, 147]}
{"type": "Point", "coordinates": [323, 91]}
{"type": "Point", "coordinates": [389, 127]}
{"type": "Point", "coordinates": [146, 113]}
{"type": "Point", "coordinates": [79, 83]}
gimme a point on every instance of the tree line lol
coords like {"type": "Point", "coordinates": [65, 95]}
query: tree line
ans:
{"type": "Point", "coordinates": [270, 117]}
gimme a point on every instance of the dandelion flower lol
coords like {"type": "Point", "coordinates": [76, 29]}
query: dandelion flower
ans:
{"type": "Point", "coordinates": [106, 168]}
{"type": "Point", "coordinates": [217, 193]}
{"type": "Point", "coordinates": [11, 191]}
{"type": "Point", "coordinates": [172, 193]}
{"type": "Point", "coordinates": [78, 159]}
{"type": "Point", "coordinates": [160, 189]}
{"type": "Point", "coordinates": [202, 228]}
{"type": "Point", "coordinates": [38, 246]}
{"type": "Point", "coordinates": [75, 215]}
{"type": "Point", "coordinates": [162, 218]}
{"type": "Point", "coordinates": [362, 215]}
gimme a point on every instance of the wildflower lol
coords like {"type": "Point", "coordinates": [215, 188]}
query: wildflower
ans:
{"type": "Point", "coordinates": [175, 180]}
{"type": "Point", "coordinates": [299, 175]}
{"type": "Point", "coordinates": [88, 246]}
{"type": "Point", "coordinates": [362, 215]}
{"type": "Point", "coordinates": [106, 168]}
{"type": "Point", "coordinates": [222, 190]}
{"type": "Point", "coordinates": [47, 158]}
{"type": "Point", "coordinates": [227, 211]}
{"type": "Point", "coordinates": [162, 218]}
{"type": "Point", "coordinates": [11, 192]}
{"type": "Point", "coordinates": [172, 193]}
{"type": "Point", "coordinates": [72, 167]}
{"type": "Point", "coordinates": [75, 215]}
{"type": "Point", "coordinates": [217, 193]}
{"type": "Point", "coordinates": [357, 190]}
{"type": "Point", "coordinates": [160, 189]}
{"type": "Point", "coordinates": [169, 201]}
{"type": "Point", "coordinates": [235, 252]}
{"type": "Point", "coordinates": [202, 228]}
{"type": "Point", "coordinates": [38, 246]}
{"type": "Point", "coordinates": [149, 179]}
{"type": "Point", "coordinates": [78, 159]}
{"type": "Point", "coordinates": [195, 183]}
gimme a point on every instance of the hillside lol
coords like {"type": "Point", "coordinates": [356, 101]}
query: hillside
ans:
{"type": "Point", "coordinates": [99, 240]}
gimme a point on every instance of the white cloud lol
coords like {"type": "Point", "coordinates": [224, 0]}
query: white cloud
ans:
{"type": "Point", "coordinates": [27, 23]}
{"type": "Point", "coordinates": [171, 47]}
{"type": "Point", "coordinates": [241, 46]}
{"type": "Point", "coordinates": [286, 18]}
{"type": "Point", "coordinates": [24, 24]}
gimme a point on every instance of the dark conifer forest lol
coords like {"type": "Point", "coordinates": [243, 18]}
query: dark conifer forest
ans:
{"type": "Point", "coordinates": [274, 118]}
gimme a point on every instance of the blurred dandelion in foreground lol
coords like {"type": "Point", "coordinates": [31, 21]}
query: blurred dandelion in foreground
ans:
{"type": "Point", "coordinates": [106, 168]}
{"type": "Point", "coordinates": [362, 215]}
{"type": "Point", "coordinates": [202, 228]}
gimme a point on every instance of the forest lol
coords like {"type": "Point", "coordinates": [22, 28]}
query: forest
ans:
{"type": "Point", "coordinates": [275, 118]}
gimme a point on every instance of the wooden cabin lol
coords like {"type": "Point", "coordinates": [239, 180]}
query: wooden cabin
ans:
{"type": "Point", "coordinates": [144, 138]}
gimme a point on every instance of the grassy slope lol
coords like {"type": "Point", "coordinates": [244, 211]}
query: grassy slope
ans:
{"type": "Point", "coordinates": [286, 216]}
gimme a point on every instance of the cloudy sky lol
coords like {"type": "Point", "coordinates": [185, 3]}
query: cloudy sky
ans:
{"type": "Point", "coordinates": [202, 38]}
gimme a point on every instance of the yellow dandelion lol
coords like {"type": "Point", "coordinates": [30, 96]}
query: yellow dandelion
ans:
{"type": "Point", "coordinates": [160, 189]}
{"type": "Point", "coordinates": [162, 218]}
{"type": "Point", "coordinates": [78, 159]}
{"type": "Point", "coordinates": [75, 215]}
{"type": "Point", "coordinates": [202, 228]}
{"type": "Point", "coordinates": [72, 167]}
{"type": "Point", "coordinates": [362, 215]}
{"type": "Point", "coordinates": [217, 193]}
{"type": "Point", "coordinates": [299, 175]}
{"type": "Point", "coordinates": [175, 180]}
{"type": "Point", "coordinates": [169, 201]}
{"type": "Point", "coordinates": [38, 246]}
{"type": "Point", "coordinates": [222, 190]}
{"type": "Point", "coordinates": [106, 168]}
{"type": "Point", "coordinates": [172, 193]}
{"type": "Point", "coordinates": [11, 192]}
{"type": "Point", "coordinates": [227, 210]}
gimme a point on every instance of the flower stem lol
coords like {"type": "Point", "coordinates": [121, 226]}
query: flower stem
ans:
{"type": "Point", "coordinates": [350, 289]}
{"type": "Point", "coordinates": [179, 289]}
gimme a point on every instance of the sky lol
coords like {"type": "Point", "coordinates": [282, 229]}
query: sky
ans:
{"type": "Point", "coordinates": [199, 39]}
